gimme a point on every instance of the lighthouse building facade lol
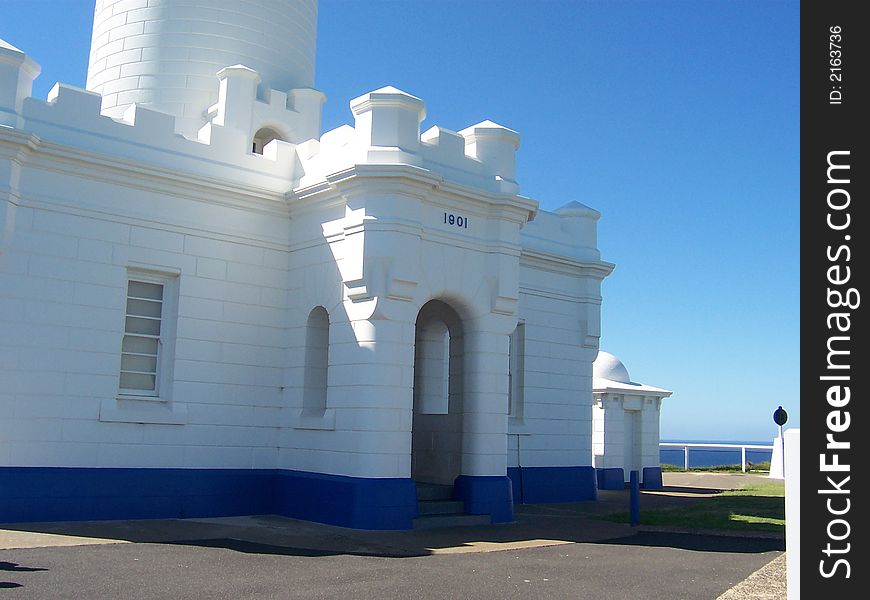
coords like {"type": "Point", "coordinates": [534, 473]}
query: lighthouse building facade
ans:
{"type": "Point", "coordinates": [209, 307]}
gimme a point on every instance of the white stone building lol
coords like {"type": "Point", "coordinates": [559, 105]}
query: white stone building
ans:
{"type": "Point", "coordinates": [209, 307]}
{"type": "Point", "coordinates": [625, 425]}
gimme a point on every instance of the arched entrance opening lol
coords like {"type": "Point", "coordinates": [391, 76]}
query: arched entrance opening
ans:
{"type": "Point", "coordinates": [436, 440]}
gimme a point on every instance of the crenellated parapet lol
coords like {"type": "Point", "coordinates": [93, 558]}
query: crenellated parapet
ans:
{"type": "Point", "coordinates": [74, 117]}
{"type": "Point", "coordinates": [387, 131]}
{"type": "Point", "coordinates": [495, 147]}
{"type": "Point", "coordinates": [571, 230]}
{"type": "Point", "coordinates": [481, 157]}
{"type": "Point", "coordinates": [292, 116]}
{"type": "Point", "coordinates": [269, 139]}
{"type": "Point", "coordinates": [71, 117]}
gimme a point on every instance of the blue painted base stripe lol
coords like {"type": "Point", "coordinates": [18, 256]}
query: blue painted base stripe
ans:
{"type": "Point", "coordinates": [357, 502]}
{"type": "Point", "coordinates": [69, 494]}
{"type": "Point", "coordinates": [74, 494]}
{"type": "Point", "coordinates": [515, 475]}
{"type": "Point", "coordinates": [652, 478]}
{"type": "Point", "coordinates": [534, 485]}
{"type": "Point", "coordinates": [611, 479]}
{"type": "Point", "coordinates": [486, 496]}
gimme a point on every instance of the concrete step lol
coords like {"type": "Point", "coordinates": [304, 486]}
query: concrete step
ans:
{"type": "Point", "coordinates": [440, 507]}
{"type": "Point", "coordinates": [438, 521]}
{"type": "Point", "coordinates": [432, 491]}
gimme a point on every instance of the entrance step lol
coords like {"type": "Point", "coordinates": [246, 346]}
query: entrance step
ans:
{"type": "Point", "coordinates": [437, 508]}
{"type": "Point", "coordinates": [433, 491]}
{"type": "Point", "coordinates": [455, 520]}
{"type": "Point", "coordinates": [440, 507]}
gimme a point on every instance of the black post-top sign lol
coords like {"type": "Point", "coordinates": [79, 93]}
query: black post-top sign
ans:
{"type": "Point", "coordinates": [780, 416]}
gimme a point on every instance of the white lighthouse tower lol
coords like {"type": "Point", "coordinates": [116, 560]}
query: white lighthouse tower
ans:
{"type": "Point", "coordinates": [166, 55]}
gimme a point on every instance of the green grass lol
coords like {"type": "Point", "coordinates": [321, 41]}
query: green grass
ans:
{"type": "Point", "coordinates": [752, 508]}
{"type": "Point", "coordinates": [769, 489]}
{"type": "Point", "coordinates": [753, 468]}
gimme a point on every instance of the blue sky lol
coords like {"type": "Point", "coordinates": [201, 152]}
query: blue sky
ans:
{"type": "Point", "coordinates": [678, 120]}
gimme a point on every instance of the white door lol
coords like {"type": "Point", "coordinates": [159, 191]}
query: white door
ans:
{"type": "Point", "coordinates": [632, 443]}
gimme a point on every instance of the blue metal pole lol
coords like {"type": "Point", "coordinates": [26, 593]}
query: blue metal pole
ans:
{"type": "Point", "coordinates": [634, 498]}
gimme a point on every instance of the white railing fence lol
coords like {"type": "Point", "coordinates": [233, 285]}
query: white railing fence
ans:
{"type": "Point", "coordinates": [742, 447]}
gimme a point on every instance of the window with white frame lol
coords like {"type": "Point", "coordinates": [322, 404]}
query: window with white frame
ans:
{"type": "Point", "coordinates": [145, 330]}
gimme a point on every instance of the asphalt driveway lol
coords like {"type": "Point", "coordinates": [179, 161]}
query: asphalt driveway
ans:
{"type": "Point", "coordinates": [551, 551]}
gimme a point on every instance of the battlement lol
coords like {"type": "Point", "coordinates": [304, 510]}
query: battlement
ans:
{"type": "Point", "coordinates": [270, 136]}
{"type": "Point", "coordinates": [570, 231]}
{"type": "Point", "coordinates": [292, 116]}
{"type": "Point", "coordinates": [227, 147]}
{"type": "Point", "coordinates": [71, 117]}
{"type": "Point", "coordinates": [387, 131]}
{"type": "Point", "coordinates": [268, 140]}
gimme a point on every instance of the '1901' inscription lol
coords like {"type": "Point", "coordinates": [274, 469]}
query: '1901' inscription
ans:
{"type": "Point", "coordinates": [456, 220]}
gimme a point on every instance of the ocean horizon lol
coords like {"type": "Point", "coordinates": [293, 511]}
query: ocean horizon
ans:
{"type": "Point", "coordinates": [713, 457]}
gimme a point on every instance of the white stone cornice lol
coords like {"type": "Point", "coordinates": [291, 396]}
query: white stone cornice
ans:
{"type": "Point", "coordinates": [15, 144]}
{"type": "Point", "coordinates": [407, 174]}
{"type": "Point", "coordinates": [49, 156]}
{"type": "Point", "coordinates": [556, 263]}
{"type": "Point", "coordinates": [550, 293]}
{"type": "Point", "coordinates": [413, 180]}
{"type": "Point", "coordinates": [230, 235]}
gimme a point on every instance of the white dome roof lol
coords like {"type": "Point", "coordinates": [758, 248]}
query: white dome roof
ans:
{"type": "Point", "coordinates": [607, 366]}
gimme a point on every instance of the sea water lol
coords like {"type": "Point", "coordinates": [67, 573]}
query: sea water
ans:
{"type": "Point", "coordinates": [713, 457]}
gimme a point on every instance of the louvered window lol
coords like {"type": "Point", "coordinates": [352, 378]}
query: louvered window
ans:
{"type": "Point", "coordinates": [141, 347]}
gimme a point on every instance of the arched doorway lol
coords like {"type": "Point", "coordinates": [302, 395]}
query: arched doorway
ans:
{"type": "Point", "coordinates": [436, 440]}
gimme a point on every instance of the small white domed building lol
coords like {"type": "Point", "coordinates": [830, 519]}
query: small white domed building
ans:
{"type": "Point", "coordinates": [211, 307]}
{"type": "Point", "coordinates": [625, 425]}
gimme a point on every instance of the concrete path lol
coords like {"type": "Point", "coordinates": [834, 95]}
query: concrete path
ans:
{"type": "Point", "coordinates": [554, 551]}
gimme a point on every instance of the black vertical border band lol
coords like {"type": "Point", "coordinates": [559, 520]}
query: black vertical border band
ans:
{"type": "Point", "coordinates": [834, 228]}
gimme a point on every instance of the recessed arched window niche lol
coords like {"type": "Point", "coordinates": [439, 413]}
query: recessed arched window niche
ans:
{"type": "Point", "coordinates": [316, 363]}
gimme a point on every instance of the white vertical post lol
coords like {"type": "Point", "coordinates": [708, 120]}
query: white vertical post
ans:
{"type": "Point", "coordinates": [743, 458]}
{"type": "Point", "coordinates": [792, 444]}
{"type": "Point", "coordinates": [783, 451]}
{"type": "Point", "coordinates": [686, 458]}
{"type": "Point", "coordinates": [777, 469]}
